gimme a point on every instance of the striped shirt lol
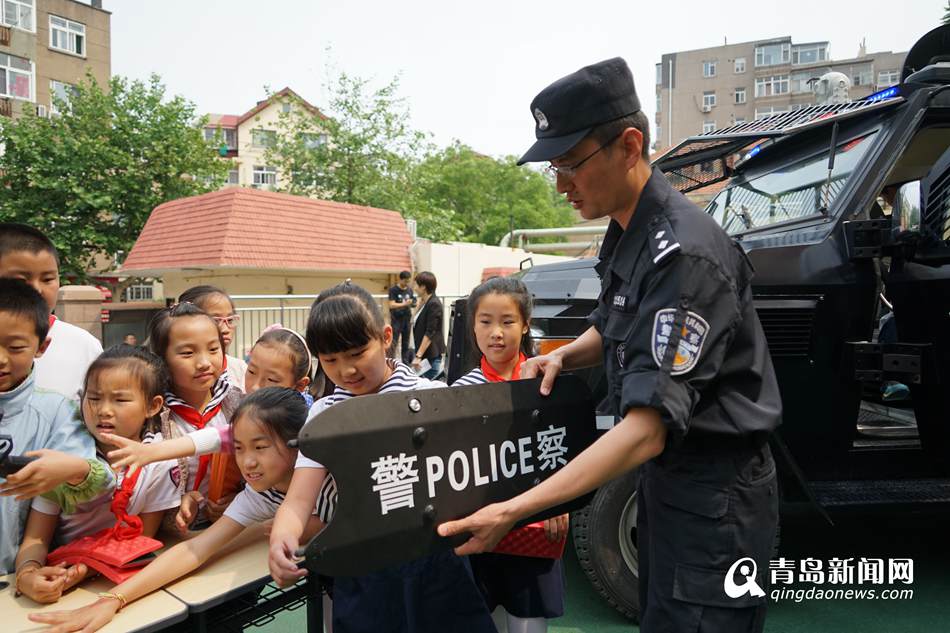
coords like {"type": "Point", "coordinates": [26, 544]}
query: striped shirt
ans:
{"type": "Point", "coordinates": [402, 379]}
{"type": "Point", "coordinates": [474, 377]}
{"type": "Point", "coordinates": [250, 507]}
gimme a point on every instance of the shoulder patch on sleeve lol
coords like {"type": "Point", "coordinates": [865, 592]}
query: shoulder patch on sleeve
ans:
{"type": "Point", "coordinates": [663, 243]}
{"type": "Point", "coordinates": [690, 344]}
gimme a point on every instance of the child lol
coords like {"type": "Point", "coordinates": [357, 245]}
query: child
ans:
{"type": "Point", "coordinates": [27, 254]}
{"type": "Point", "coordinates": [33, 418]}
{"type": "Point", "coordinates": [189, 342]}
{"type": "Point", "coordinates": [279, 358]}
{"type": "Point", "coordinates": [262, 425]}
{"type": "Point", "coordinates": [434, 593]}
{"type": "Point", "coordinates": [123, 391]}
{"type": "Point", "coordinates": [531, 590]}
{"type": "Point", "coordinates": [218, 304]}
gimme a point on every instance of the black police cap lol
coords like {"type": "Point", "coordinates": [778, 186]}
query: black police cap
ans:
{"type": "Point", "coordinates": [567, 110]}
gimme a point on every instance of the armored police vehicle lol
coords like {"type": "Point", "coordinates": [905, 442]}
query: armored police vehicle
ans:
{"type": "Point", "coordinates": [807, 195]}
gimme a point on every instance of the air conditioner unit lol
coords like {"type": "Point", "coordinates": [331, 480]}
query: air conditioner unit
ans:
{"type": "Point", "coordinates": [706, 108]}
{"type": "Point", "coordinates": [42, 111]}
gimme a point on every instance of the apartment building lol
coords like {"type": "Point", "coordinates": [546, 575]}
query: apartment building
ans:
{"type": "Point", "coordinates": [46, 48]}
{"type": "Point", "coordinates": [245, 138]}
{"type": "Point", "coordinates": [711, 88]}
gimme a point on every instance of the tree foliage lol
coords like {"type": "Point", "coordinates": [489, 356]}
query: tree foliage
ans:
{"type": "Point", "coordinates": [90, 176]}
{"type": "Point", "coordinates": [946, 14]}
{"type": "Point", "coordinates": [372, 156]}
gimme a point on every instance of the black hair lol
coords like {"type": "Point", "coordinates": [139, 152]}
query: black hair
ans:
{"type": "Point", "coordinates": [281, 410]}
{"type": "Point", "coordinates": [159, 328]}
{"type": "Point", "coordinates": [199, 294]}
{"type": "Point", "coordinates": [508, 286]}
{"type": "Point", "coordinates": [612, 129]}
{"type": "Point", "coordinates": [20, 237]}
{"type": "Point", "coordinates": [405, 274]}
{"type": "Point", "coordinates": [300, 355]}
{"type": "Point", "coordinates": [428, 281]}
{"type": "Point", "coordinates": [147, 369]}
{"type": "Point", "coordinates": [20, 298]}
{"type": "Point", "coordinates": [343, 317]}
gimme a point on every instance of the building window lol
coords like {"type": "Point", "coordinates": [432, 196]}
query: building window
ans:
{"type": "Point", "coordinates": [771, 86]}
{"type": "Point", "coordinates": [887, 78]}
{"type": "Point", "coordinates": [67, 36]}
{"type": "Point", "coordinates": [16, 77]}
{"type": "Point", "coordinates": [809, 54]}
{"type": "Point", "coordinates": [219, 134]}
{"type": "Point", "coordinates": [709, 99]}
{"type": "Point", "coordinates": [709, 126]}
{"type": "Point", "coordinates": [659, 135]}
{"type": "Point", "coordinates": [285, 107]}
{"type": "Point", "coordinates": [264, 176]}
{"type": "Point", "coordinates": [234, 177]}
{"type": "Point", "coordinates": [761, 113]}
{"type": "Point", "coordinates": [709, 69]}
{"type": "Point", "coordinates": [138, 292]}
{"type": "Point", "coordinates": [862, 76]}
{"type": "Point", "coordinates": [313, 141]}
{"type": "Point", "coordinates": [659, 74]}
{"type": "Point", "coordinates": [739, 121]}
{"type": "Point", "coordinates": [60, 95]}
{"type": "Point", "coordinates": [740, 95]}
{"type": "Point", "coordinates": [773, 54]}
{"type": "Point", "coordinates": [801, 81]}
{"type": "Point", "coordinates": [263, 138]}
{"type": "Point", "coordinates": [19, 14]}
{"type": "Point", "coordinates": [740, 65]}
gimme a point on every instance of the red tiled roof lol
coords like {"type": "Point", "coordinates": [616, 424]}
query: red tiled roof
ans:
{"type": "Point", "coordinates": [282, 93]}
{"type": "Point", "coordinates": [248, 228]}
{"type": "Point", "coordinates": [223, 120]}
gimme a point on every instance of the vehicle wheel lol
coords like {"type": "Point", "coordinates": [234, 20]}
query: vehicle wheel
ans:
{"type": "Point", "coordinates": [605, 539]}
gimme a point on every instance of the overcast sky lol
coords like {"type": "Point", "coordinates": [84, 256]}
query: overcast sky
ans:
{"type": "Point", "coordinates": [469, 70]}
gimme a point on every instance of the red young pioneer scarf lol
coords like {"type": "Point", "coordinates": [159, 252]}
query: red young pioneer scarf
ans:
{"type": "Point", "coordinates": [493, 376]}
{"type": "Point", "coordinates": [120, 505]}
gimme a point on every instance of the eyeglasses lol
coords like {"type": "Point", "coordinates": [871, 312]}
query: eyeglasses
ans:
{"type": "Point", "coordinates": [569, 171]}
{"type": "Point", "coordinates": [230, 321]}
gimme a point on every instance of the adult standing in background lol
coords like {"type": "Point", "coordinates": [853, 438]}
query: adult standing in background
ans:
{"type": "Point", "coordinates": [401, 299]}
{"type": "Point", "coordinates": [427, 326]}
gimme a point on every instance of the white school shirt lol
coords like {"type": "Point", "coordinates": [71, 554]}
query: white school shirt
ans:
{"type": "Point", "coordinates": [236, 370]}
{"type": "Point", "coordinates": [403, 378]}
{"type": "Point", "coordinates": [62, 368]}
{"type": "Point", "coordinates": [250, 506]}
{"type": "Point", "coordinates": [156, 489]}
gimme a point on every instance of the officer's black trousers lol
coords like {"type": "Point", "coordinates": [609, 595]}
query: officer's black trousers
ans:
{"type": "Point", "coordinates": [700, 511]}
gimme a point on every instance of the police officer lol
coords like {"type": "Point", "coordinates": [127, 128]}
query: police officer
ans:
{"type": "Point", "coordinates": [690, 379]}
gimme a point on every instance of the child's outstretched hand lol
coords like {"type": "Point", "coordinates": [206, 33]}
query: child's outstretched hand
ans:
{"type": "Point", "coordinates": [91, 617]}
{"type": "Point", "coordinates": [130, 453]}
{"type": "Point", "coordinates": [46, 585]}
{"type": "Point", "coordinates": [555, 528]}
{"type": "Point", "coordinates": [281, 560]}
{"type": "Point", "coordinates": [51, 469]}
{"type": "Point", "coordinates": [190, 502]}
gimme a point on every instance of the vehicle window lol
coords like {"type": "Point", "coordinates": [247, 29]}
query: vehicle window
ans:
{"type": "Point", "coordinates": [793, 191]}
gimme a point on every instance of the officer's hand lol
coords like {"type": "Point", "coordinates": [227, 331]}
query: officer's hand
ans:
{"type": "Point", "coordinates": [548, 366]}
{"type": "Point", "coordinates": [487, 526]}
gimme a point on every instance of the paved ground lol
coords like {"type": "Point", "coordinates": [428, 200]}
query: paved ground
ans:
{"type": "Point", "coordinates": [923, 538]}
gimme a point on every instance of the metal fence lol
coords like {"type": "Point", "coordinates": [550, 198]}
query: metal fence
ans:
{"type": "Point", "coordinates": [260, 311]}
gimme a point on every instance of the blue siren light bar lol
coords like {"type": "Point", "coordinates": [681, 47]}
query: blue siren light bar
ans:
{"type": "Point", "coordinates": [881, 95]}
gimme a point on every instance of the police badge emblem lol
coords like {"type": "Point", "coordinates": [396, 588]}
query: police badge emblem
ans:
{"type": "Point", "coordinates": [692, 336]}
{"type": "Point", "coordinates": [542, 120]}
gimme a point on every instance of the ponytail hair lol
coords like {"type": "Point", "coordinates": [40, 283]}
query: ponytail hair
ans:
{"type": "Point", "coordinates": [343, 317]}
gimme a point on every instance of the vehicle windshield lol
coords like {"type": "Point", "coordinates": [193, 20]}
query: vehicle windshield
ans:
{"type": "Point", "coordinates": [794, 191]}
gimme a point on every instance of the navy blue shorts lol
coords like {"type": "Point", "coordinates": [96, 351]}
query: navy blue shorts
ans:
{"type": "Point", "coordinates": [527, 587]}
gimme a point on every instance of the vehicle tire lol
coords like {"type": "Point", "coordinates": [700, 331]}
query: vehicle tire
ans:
{"type": "Point", "coordinates": [605, 539]}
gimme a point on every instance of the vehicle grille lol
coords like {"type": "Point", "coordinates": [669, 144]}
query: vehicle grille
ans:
{"type": "Point", "coordinates": [787, 325]}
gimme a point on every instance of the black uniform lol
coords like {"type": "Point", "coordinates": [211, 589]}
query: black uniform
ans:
{"type": "Point", "coordinates": [681, 336]}
{"type": "Point", "coordinates": [400, 320]}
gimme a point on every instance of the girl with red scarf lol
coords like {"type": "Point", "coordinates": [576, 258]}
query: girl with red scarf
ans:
{"type": "Point", "coordinates": [531, 590]}
{"type": "Point", "coordinates": [122, 395]}
{"type": "Point", "coordinates": [200, 394]}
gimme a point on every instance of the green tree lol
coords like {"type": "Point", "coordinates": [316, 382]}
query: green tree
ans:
{"type": "Point", "coordinates": [483, 195]}
{"type": "Point", "coordinates": [90, 177]}
{"type": "Point", "coordinates": [946, 14]}
{"type": "Point", "coordinates": [361, 153]}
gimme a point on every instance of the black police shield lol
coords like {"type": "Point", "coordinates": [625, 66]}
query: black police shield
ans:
{"type": "Point", "coordinates": [405, 462]}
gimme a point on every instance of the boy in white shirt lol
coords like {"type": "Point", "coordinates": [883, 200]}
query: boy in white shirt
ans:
{"type": "Point", "coordinates": [27, 254]}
